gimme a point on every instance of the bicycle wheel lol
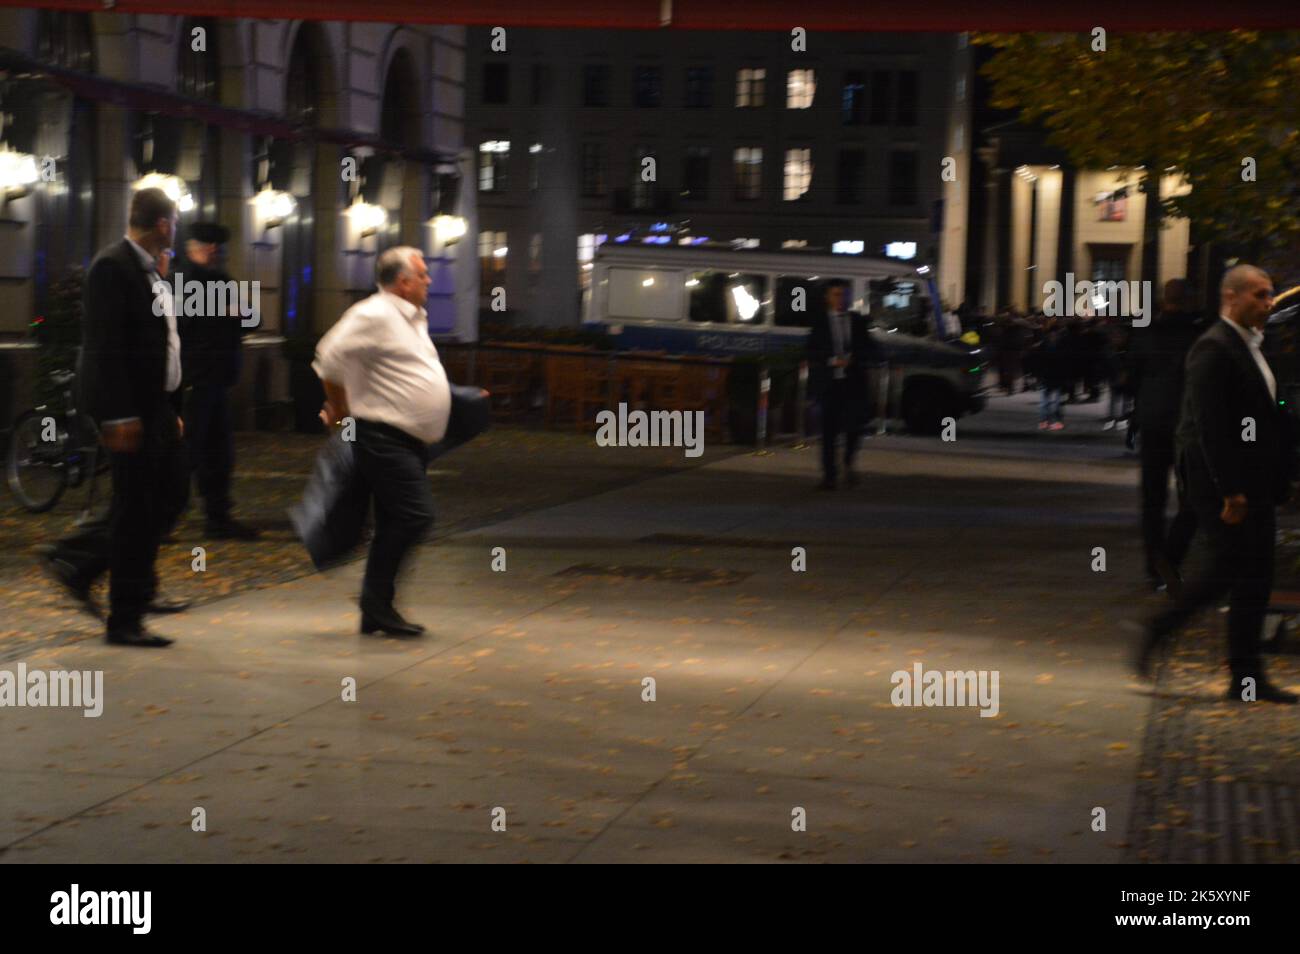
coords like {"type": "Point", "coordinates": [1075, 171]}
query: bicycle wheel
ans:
{"type": "Point", "coordinates": [36, 467]}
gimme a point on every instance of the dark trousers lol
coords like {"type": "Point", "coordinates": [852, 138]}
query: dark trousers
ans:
{"type": "Point", "coordinates": [150, 487]}
{"type": "Point", "coordinates": [841, 412]}
{"type": "Point", "coordinates": [1241, 565]}
{"type": "Point", "coordinates": [1157, 463]}
{"type": "Point", "coordinates": [209, 431]}
{"type": "Point", "coordinates": [392, 464]}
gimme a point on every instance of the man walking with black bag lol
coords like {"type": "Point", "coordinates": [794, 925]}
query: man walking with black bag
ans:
{"type": "Point", "coordinates": [379, 367]}
{"type": "Point", "coordinates": [1236, 446]}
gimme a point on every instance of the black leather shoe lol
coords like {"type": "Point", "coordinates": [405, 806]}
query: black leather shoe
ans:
{"type": "Point", "coordinates": [1170, 576]}
{"type": "Point", "coordinates": [231, 529]}
{"type": "Point", "coordinates": [66, 575]}
{"type": "Point", "coordinates": [386, 619]}
{"type": "Point", "coordinates": [1265, 691]}
{"type": "Point", "coordinates": [163, 605]}
{"type": "Point", "coordinates": [137, 635]}
{"type": "Point", "coordinates": [1144, 654]}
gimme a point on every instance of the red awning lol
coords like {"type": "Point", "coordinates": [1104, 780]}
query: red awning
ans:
{"type": "Point", "coordinates": [814, 15]}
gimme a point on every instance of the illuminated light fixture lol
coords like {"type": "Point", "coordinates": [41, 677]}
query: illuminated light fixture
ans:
{"type": "Point", "coordinates": [686, 240]}
{"type": "Point", "coordinates": [173, 186]}
{"type": "Point", "coordinates": [692, 282]}
{"type": "Point", "coordinates": [622, 238]}
{"type": "Point", "coordinates": [501, 252]}
{"type": "Point", "coordinates": [647, 282]}
{"type": "Point", "coordinates": [923, 270]}
{"type": "Point", "coordinates": [904, 250]}
{"type": "Point", "coordinates": [17, 174]}
{"type": "Point", "coordinates": [274, 207]}
{"type": "Point", "coordinates": [848, 247]}
{"type": "Point", "coordinates": [535, 148]}
{"type": "Point", "coordinates": [495, 145]}
{"type": "Point", "coordinates": [746, 304]}
{"type": "Point", "coordinates": [366, 218]}
{"type": "Point", "coordinates": [449, 229]}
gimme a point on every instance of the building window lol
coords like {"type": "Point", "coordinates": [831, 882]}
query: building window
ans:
{"type": "Point", "coordinates": [593, 169]}
{"type": "Point", "coordinates": [902, 178]}
{"type": "Point", "coordinates": [851, 175]}
{"type": "Point", "coordinates": [699, 87]}
{"type": "Point", "coordinates": [534, 166]}
{"type": "Point", "coordinates": [695, 173]}
{"type": "Point", "coordinates": [648, 86]}
{"type": "Point", "coordinates": [800, 88]}
{"type": "Point", "coordinates": [595, 84]}
{"type": "Point", "coordinates": [908, 98]}
{"type": "Point", "coordinates": [748, 166]}
{"type": "Point", "coordinates": [492, 253]}
{"type": "Point", "coordinates": [853, 98]}
{"type": "Point", "coordinates": [798, 174]}
{"type": "Point", "coordinates": [198, 70]}
{"type": "Point", "coordinates": [880, 97]}
{"type": "Point", "coordinates": [794, 243]}
{"type": "Point", "coordinates": [496, 84]}
{"type": "Point", "coordinates": [642, 191]}
{"type": "Point", "coordinates": [541, 84]}
{"type": "Point", "coordinates": [534, 256]}
{"type": "Point", "coordinates": [493, 157]}
{"type": "Point", "coordinates": [749, 87]}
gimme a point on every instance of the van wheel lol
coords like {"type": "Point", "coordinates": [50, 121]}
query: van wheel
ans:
{"type": "Point", "coordinates": [925, 405]}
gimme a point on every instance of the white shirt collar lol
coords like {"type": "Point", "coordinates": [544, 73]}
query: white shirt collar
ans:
{"type": "Point", "coordinates": [147, 260]}
{"type": "Point", "coordinates": [1252, 337]}
{"type": "Point", "coordinates": [404, 308]}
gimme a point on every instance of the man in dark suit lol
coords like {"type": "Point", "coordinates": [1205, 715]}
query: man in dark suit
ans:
{"type": "Point", "coordinates": [1236, 447]}
{"type": "Point", "coordinates": [130, 382]}
{"type": "Point", "coordinates": [211, 349]}
{"type": "Point", "coordinates": [1156, 360]}
{"type": "Point", "coordinates": [839, 349]}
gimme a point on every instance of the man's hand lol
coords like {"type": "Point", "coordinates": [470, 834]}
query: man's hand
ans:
{"type": "Point", "coordinates": [124, 437]}
{"type": "Point", "coordinates": [1234, 509]}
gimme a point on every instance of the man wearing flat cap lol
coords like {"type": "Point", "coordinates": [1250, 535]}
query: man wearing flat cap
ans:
{"type": "Point", "coordinates": [210, 353]}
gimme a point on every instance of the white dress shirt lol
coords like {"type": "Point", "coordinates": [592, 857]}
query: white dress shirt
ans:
{"type": "Point", "coordinates": [1254, 339]}
{"type": "Point", "coordinates": [172, 373]}
{"type": "Point", "coordinates": [840, 334]}
{"type": "Point", "coordinates": [381, 353]}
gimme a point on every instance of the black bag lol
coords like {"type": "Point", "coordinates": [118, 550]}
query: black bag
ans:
{"type": "Point", "coordinates": [332, 514]}
{"type": "Point", "coordinates": [471, 413]}
{"type": "Point", "coordinates": [331, 517]}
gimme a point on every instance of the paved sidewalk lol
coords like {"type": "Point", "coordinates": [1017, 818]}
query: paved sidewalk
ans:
{"type": "Point", "coordinates": [773, 688]}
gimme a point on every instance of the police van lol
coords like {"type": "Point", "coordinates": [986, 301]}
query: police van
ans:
{"type": "Point", "coordinates": [719, 300]}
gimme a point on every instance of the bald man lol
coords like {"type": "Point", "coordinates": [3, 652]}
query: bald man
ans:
{"type": "Point", "coordinates": [1235, 453]}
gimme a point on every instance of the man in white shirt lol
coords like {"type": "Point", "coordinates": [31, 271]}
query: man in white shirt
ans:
{"type": "Point", "coordinates": [130, 379]}
{"type": "Point", "coordinates": [379, 367]}
{"type": "Point", "coordinates": [1236, 456]}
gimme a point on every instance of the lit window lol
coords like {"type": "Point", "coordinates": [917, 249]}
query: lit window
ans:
{"type": "Point", "coordinates": [798, 173]}
{"type": "Point", "coordinates": [748, 166]}
{"type": "Point", "coordinates": [848, 247]}
{"type": "Point", "coordinates": [800, 87]}
{"type": "Point", "coordinates": [749, 87]}
{"type": "Point", "coordinates": [493, 156]}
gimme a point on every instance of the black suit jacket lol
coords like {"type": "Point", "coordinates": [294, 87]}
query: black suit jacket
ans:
{"type": "Point", "coordinates": [123, 343]}
{"type": "Point", "coordinates": [1223, 387]}
{"type": "Point", "coordinates": [211, 345]}
{"type": "Point", "coordinates": [1157, 357]}
{"type": "Point", "coordinates": [821, 350]}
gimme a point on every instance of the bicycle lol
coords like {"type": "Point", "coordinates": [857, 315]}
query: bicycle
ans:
{"type": "Point", "coordinates": [49, 452]}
